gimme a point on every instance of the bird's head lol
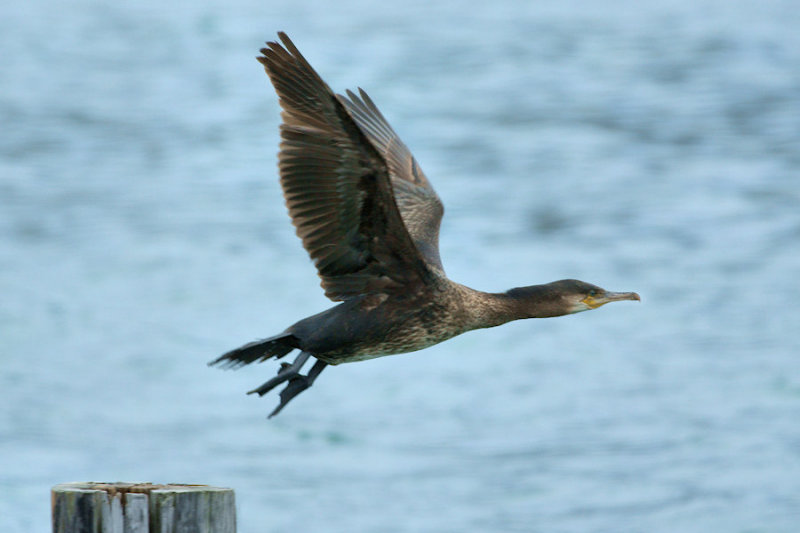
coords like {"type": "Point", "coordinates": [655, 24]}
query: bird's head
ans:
{"type": "Point", "coordinates": [580, 296]}
{"type": "Point", "coordinates": [562, 297]}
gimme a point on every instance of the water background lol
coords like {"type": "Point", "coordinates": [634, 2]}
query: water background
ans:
{"type": "Point", "coordinates": [647, 146]}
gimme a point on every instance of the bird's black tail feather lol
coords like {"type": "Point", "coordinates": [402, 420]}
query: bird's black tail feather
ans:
{"type": "Point", "coordinates": [261, 350]}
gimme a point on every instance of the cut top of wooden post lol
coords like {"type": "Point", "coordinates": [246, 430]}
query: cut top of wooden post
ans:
{"type": "Point", "coordinates": [142, 508]}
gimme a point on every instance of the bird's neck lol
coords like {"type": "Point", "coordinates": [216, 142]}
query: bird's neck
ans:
{"type": "Point", "coordinates": [489, 309]}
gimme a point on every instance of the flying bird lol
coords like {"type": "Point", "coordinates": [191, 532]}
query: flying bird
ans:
{"type": "Point", "coordinates": [369, 218]}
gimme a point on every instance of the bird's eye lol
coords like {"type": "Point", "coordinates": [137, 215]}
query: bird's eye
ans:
{"type": "Point", "coordinates": [592, 292]}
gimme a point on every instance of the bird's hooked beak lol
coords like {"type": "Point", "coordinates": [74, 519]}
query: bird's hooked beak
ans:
{"type": "Point", "coordinates": [593, 302]}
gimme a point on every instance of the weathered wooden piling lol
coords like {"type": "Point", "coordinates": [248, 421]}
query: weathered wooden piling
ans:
{"type": "Point", "coordinates": [142, 508]}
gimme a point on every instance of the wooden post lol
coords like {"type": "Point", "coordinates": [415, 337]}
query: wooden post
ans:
{"type": "Point", "coordinates": [142, 508]}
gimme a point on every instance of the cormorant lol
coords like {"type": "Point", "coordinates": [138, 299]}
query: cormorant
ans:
{"type": "Point", "coordinates": [369, 219]}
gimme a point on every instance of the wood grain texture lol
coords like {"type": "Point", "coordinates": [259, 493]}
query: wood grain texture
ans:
{"type": "Point", "coordinates": [142, 508]}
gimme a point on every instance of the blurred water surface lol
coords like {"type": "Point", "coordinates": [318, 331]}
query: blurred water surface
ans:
{"type": "Point", "coordinates": [648, 146]}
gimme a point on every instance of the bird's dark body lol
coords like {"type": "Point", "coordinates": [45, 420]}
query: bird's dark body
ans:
{"type": "Point", "coordinates": [359, 329]}
{"type": "Point", "coordinates": [369, 218]}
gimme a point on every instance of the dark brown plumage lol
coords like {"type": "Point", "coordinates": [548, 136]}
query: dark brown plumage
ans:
{"type": "Point", "coordinates": [369, 219]}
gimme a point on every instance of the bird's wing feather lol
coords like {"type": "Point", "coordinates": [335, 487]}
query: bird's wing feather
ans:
{"type": "Point", "coordinates": [419, 205]}
{"type": "Point", "coordinates": [337, 187]}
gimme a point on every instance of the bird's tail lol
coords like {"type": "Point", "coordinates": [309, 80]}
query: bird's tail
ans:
{"type": "Point", "coordinates": [261, 350]}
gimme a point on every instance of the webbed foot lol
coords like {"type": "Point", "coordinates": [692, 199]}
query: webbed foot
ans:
{"type": "Point", "coordinates": [297, 382]}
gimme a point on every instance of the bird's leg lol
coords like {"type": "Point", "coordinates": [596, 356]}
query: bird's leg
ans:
{"type": "Point", "coordinates": [297, 384]}
{"type": "Point", "coordinates": [285, 373]}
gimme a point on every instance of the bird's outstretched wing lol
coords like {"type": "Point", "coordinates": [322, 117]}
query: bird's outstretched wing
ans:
{"type": "Point", "coordinates": [337, 187]}
{"type": "Point", "coordinates": [418, 202]}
